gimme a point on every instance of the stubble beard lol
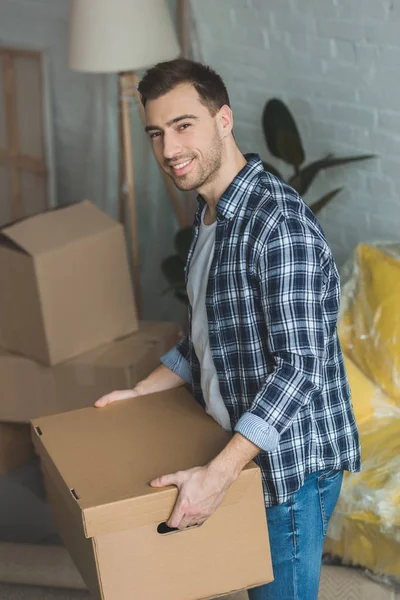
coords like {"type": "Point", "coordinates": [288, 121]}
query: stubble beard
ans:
{"type": "Point", "coordinates": [207, 170]}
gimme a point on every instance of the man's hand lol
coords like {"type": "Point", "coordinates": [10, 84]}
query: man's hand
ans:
{"type": "Point", "coordinates": [159, 380]}
{"type": "Point", "coordinates": [201, 491]}
{"type": "Point", "coordinates": [116, 396]}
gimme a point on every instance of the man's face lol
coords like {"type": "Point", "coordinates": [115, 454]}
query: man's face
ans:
{"type": "Point", "coordinates": [185, 137]}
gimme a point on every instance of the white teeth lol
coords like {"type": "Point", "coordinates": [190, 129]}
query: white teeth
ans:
{"type": "Point", "coordinates": [182, 165]}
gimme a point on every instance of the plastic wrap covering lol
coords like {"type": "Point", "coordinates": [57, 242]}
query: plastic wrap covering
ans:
{"type": "Point", "coordinates": [365, 527]}
{"type": "Point", "coordinates": [370, 319]}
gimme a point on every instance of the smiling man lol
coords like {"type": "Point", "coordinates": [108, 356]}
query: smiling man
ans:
{"type": "Point", "coordinates": [262, 352]}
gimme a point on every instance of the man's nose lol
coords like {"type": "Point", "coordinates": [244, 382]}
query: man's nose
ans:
{"type": "Point", "coordinates": [171, 146]}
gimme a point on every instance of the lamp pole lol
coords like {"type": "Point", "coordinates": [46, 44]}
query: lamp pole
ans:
{"type": "Point", "coordinates": [117, 36]}
{"type": "Point", "coordinates": [127, 81]}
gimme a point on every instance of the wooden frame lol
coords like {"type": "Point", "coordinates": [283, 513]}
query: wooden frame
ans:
{"type": "Point", "coordinates": [12, 156]}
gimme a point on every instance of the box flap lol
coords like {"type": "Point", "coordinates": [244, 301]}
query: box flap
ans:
{"type": "Point", "coordinates": [55, 228]}
{"type": "Point", "coordinates": [107, 457]}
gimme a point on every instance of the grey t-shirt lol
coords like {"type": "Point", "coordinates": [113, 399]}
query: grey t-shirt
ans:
{"type": "Point", "coordinates": [196, 288]}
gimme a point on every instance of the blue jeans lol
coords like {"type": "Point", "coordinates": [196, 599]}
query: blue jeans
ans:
{"type": "Point", "coordinates": [297, 530]}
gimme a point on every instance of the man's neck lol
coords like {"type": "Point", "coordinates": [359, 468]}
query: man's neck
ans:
{"type": "Point", "coordinates": [233, 163]}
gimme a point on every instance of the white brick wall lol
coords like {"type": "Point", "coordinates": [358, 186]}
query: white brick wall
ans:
{"type": "Point", "coordinates": [336, 63]}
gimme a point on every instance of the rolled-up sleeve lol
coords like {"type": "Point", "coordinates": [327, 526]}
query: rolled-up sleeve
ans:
{"type": "Point", "coordinates": [291, 283]}
{"type": "Point", "coordinates": [177, 359]}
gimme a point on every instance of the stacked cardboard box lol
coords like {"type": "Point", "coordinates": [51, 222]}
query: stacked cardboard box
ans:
{"type": "Point", "coordinates": [16, 446]}
{"type": "Point", "coordinates": [68, 327]}
{"type": "Point", "coordinates": [69, 334]}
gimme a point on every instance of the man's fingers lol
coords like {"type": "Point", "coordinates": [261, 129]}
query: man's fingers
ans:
{"type": "Point", "coordinates": [186, 521]}
{"type": "Point", "coordinates": [172, 479]}
{"type": "Point", "coordinates": [115, 397]}
{"type": "Point", "coordinates": [178, 519]}
{"type": "Point", "coordinates": [103, 401]}
{"type": "Point", "coordinates": [196, 521]}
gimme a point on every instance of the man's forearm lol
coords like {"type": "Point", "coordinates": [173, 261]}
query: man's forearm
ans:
{"type": "Point", "coordinates": [202, 489]}
{"type": "Point", "coordinates": [236, 454]}
{"type": "Point", "coordinates": [159, 380]}
{"type": "Point", "coordinates": [234, 457]}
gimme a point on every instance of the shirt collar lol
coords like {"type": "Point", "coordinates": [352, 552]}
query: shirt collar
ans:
{"type": "Point", "coordinates": [241, 187]}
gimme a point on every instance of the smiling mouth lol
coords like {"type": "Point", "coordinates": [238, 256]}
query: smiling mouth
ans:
{"type": "Point", "coordinates": [182, 167]}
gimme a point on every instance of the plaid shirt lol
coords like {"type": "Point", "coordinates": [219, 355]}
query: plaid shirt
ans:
{"type": "Point", "coordinates": [272, 304]}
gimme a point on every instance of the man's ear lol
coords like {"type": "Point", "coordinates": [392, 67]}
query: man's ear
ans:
{"type": "Point", "coordinates": [225, 120]}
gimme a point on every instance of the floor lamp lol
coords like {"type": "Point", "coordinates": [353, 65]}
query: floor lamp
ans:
{"type": "Point", "coordinates": [124, 36]}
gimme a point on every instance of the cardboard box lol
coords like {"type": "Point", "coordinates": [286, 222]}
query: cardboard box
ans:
{"type": "Point", "coordinates": [29, 389]}
{"type": "Point", "coordinates": [16, 446]}
{"type": "Point", "coordinates": [65, 284]}
{"type": "Point", "coordinates": [98, 464]}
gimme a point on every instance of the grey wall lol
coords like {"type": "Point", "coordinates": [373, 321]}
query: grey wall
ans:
{"type": "Point", "coordinates": [79, 102]}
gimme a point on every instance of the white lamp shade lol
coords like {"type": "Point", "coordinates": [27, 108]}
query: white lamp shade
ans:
{"type": "Point", "coordinates": [120, 35]}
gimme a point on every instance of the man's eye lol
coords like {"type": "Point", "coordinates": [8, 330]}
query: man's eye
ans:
{"type": "Point", "coordinates": [184, 126]}
{"type": "Point", "coordinates": [154, 135]}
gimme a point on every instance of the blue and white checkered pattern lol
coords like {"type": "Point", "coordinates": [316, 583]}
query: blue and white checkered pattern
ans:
{"type": "Point", "coordinates": [272, 304]}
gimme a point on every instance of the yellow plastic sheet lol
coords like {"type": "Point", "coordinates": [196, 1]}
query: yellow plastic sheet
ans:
{"type": "Point", "coordinates": [370, 322]}
{"type": "Point", "coordinates": [365, 527]}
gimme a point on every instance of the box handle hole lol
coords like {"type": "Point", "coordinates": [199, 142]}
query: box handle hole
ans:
{"type": "Point", "coordinates": [38, 431]}
{"type": "Point", "coordinates": [74, 494]}
{"type": "Point", "coordinates": [163, 529]}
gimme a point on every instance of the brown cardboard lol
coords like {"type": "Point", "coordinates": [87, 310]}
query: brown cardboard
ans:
{"type": "Point", "coordinates": [81, 548]}
{"type": "Point", "coordinates": [65, 284]}
{"type": "Point", "coordinates": [29, 389]}
{"type": "Point", "coordinates": [166, 333]}
{"type": "Point", "coordinates": [16, 446]}
{"type": "Point", "coordinates": [98, 464]}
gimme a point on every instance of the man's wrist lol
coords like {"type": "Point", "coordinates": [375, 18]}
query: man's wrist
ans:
{"type": "Point", "coordinates": [224, 471]}
{"type": "Point", "coordinates": [233, 458]}
{"type": "Point", "coordinates": [142, 388]}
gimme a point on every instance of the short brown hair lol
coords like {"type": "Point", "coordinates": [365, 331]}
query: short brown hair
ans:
{"type": "Point", "coordinates": [165, 76]}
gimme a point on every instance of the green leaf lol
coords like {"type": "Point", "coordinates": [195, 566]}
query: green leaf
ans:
{"type": "Point", "coordinates": [271, 169]}
{"type": "Point", "coordinates": [182, 296]}
{"type": "Point", "coordinates": [183, 240]}
{"type": "Point", "coordinates": [319, 204]}
{"type": "Point", "coordinates": [302, 180]}
{"type": "Point", "coordinates": [173, 269]}
{"type": "Point", "coordinates": [178, 292]}
{"type": "Point", "coordinates": [281, 133]}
